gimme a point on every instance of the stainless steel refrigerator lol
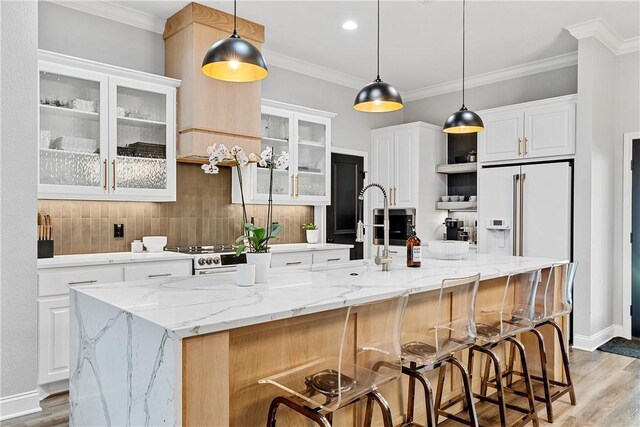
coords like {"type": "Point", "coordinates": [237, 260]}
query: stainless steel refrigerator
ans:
{"type": "Point", "coordinates": [526, 210]}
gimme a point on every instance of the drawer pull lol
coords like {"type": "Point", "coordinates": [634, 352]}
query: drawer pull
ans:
{"type": "Point", "coordinates": [83, 282]}
{"type": "Point", "coordinates": [294, 263]}
{"type": "Point", "coordinates": [159, 275]}
{"type": "Point", "coordinates": [393, 252]}
{"type": "Point", "coordinates": [333, 259]}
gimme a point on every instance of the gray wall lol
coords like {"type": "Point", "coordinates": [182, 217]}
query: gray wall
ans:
{"type": "Point", "coordinates": [80, 34]}
{"type": "Point", "coordinates": [19, 82]}
{"type": "Point", "coordinates": [350, 128]}
{"type": "Point", "coordinates": [436, 109]}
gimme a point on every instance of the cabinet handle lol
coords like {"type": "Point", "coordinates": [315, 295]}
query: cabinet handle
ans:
{"type": "Point", "coordinates": [113, 164]}
{"type": "Point", "coordinates": [294, 263]}
{"type": "Point", "coordinates": [159, 275]}
{"type": "Point", "coordinates": [395, 196]}
{"type": "Point", "coordinates": [105, 174]}
{"type": "Point", "coordinates": [293, 186]}
{"type": "Point", "coordinates": [297, 186]}
{"type": "Point", "coordinates": [519, 146]}
{"type": "Point", "coordinates": [333, 259]}
{"type": "Point", "coordinates": [393, 252]}
{"type": "Point", "coordinates": [83, 282]}
{"type": "Point", "coordinates": [526, 145]}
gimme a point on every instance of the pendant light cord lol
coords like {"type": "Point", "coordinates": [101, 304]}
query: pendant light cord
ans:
{"type": "Point", "coordinates": [463, 47]}
{"type": "Point", "coordinates": [378, 51]}
{"type": "Point", "coordinates": [235, 33]}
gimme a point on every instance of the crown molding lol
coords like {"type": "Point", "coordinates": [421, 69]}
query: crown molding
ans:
{"type": "Point", "coordinates": [312, 70]}
{"type": "Point", "coordinates": [602, 31]}
{"type": "Point", "coordinates": [116, 12]}
{"type": "Point", "coordinates": [548, 64]}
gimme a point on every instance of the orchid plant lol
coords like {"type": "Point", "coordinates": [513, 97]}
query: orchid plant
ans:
{"type": "Point", "coordinates": [253, 239]}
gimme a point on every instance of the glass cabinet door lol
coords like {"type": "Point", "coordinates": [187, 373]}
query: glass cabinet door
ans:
{"type": "Point", "coordinates": [140, 132]}
{"type": "Point", "coordinates": [277, 134]}
{"type": "Point", "coordinates": [311, 157]}
{"type": "Point", "coordinates": [73, 143]}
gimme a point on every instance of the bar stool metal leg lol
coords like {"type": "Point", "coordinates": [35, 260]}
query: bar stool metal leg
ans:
{"type": "Point", "coordinates": [467, 397]}
{"type": "Point", "coordinates": [502, 407]}
{"type": "Point", "coordinates": [568, 386]}
{"type": "Point", "coordinates": [318, 418]}
{"type": "Point", "coordinates": [414, 375]}
{"type": "Point", "coordinates": [384, 407]}
{"type": "Point", "coordinates": [527, 379]}
{"type": "Point", "coordinates": [545, 376]}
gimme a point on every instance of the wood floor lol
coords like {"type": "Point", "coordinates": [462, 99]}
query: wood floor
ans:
{"type": "Point", "coordinates": [607, 391]}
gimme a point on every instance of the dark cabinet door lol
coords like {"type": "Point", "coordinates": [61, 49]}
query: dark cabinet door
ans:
{"type": "Point", "coordinates": [347, 179]}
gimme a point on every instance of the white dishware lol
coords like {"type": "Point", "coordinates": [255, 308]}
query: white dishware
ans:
{"type": "Point", "coordinates": [245, 274]}
{"type": "Point", "coordinates": [137, 246]}
{"type": "Point", "coordinates": [444, 198]}
{"type": "Point", "coordinates": [454, 198]}
{"type": "Point", "coordinates": [154, 243]}
{"type": "Point", "coordinates": [313, 236]}
{"type": "Point", "coordinates": [448, 249]}
{"type": "Point", "coordinates": [473, 198]}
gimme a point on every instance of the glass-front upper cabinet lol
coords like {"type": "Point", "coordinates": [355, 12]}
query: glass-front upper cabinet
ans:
{"type": "Point", "coordinates": [142, 160]}
{"type": "Point", "coordinates": [312, 178]}
{"type": "Point", "coordinates": [73, 144]}
{"type": "Point", "coordinates": [277, 135]}
{"type": "Point", "coordinates": [103, 135]}
{"type": "Point", "coordinates": [306, 135]}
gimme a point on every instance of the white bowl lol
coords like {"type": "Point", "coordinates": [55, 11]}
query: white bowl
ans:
{"type": "Point", "coordinates": [154, 243]}
{"type": "Point", "coordinates": [448, 249]}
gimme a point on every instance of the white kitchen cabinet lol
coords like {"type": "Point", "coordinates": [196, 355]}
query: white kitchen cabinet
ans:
{"type": "Point", "coordinates": [306, 135]}
{"type": "Point", "coordinates": [151, 270]}
{"type": "Point", "coordinates": [531, 130]}
{"type": "Point", "coordinates": [291, 259]}
{"type": "Point", "coordinates": [394, 152]}
{"type": "Point", "coordinates": [106, 133]}
{"type": "Point", "coordinates": [336, 255]}
{"type": "Point", "coordinates": [53, 339]}
{"type": "Point", "coordinates": [404, 159]}
{"type": "Point", "coordinates": [53, 304]}
{"type": "Point", "coordinates": [308, 256]}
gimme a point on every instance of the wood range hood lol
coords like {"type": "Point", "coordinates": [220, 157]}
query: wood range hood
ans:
{"type": "Point", "coordinates": [210, 111]}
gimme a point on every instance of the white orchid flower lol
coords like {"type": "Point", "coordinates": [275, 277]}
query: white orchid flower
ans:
{"type": "Point", "coordinates": [211, 149]}
{"type": "Point", "coordinates": [210, 169]}
{"type": "Point", "coordinates": [242, 158]}
{"type": "Point", "coordinates": [236, 149]}
{"type": "Point", "coordinates": [283, 161]}
{"type": "Point", "coordinates": [223, 152]}
{"type": "Point", "coordinates": [253, 157]}
{"type": "Point", "coordinates": [265, 157]}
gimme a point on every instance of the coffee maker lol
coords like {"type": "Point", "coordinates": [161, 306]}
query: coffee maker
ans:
{"type": "Point", "coordinates": [452, 227]}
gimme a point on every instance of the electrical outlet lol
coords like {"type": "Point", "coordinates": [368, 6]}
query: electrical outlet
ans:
{"type": "Point", "coordinates": [118, 230]}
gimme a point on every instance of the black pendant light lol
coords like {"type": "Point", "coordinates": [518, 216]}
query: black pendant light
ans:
{"type": "Point", "coordinates": [234, 60]}
{"type": "Point", "coordinates": [463, 120]}
{"type": "Point", "coordinates": [378, 96]}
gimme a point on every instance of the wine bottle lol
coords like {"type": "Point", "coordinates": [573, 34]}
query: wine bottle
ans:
{"type": "Point", "coordinates": [414, 251]}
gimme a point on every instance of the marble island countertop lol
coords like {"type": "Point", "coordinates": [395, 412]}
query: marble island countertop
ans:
{"type": "Point", "coordinates": [187, 306]}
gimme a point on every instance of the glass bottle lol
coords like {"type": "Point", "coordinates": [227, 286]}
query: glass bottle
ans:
{"type": "Point", "coordinates": [414, 251]}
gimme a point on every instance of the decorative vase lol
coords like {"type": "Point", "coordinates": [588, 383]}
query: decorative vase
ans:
{"type": "Point", "coordinates": [313, 236]}
{"type": "Point", "coordinates": [262, 261]}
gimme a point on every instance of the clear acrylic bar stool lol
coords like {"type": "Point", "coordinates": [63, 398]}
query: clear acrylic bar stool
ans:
{"type": "Point", "coordinates": [429, 347]}
{"type": "Point", "coordinates": [514, 315]}
{"type": "Point", "coordinates": [553, 300]}
{"type": "Point", "coordinates": [319, 388]}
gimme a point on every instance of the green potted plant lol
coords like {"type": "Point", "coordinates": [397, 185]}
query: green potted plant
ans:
{"type": "Point", "coordinates": [313, 234]}
{"type": "Point", "coordinates": [254, 240]}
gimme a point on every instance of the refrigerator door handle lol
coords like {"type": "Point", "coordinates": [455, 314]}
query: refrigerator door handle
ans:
{"type": "Point", "coordinates": [514, 227]}
{"type": "Point", "coordinates": [521, 222]}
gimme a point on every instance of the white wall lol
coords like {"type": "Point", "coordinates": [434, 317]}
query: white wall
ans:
{"type": "Point", "coordinates": [19, 136]}
{"type": "Point", "coordinates": [627, 112]}
{"type": "Point", "coordinates": [548, 84]}
{"type": "Point", "coordinates": [80, 34]}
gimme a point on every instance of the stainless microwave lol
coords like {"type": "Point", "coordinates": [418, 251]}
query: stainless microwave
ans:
{"type": "Point", "coordinates": [400, 223]}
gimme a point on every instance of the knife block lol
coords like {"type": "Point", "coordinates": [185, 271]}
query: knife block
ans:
{"type": "Point", "coordinates": [45, 248]}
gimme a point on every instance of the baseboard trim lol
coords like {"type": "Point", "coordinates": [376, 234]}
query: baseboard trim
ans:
{"type": "Point", "coordinates": [590, 343]}
{"type": "Point", "coordinates": [19, 404]}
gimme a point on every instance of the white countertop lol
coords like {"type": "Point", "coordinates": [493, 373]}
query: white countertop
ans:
{"type": "Point", "coordinates": [305, 247]}
{"type": "Point", "coordinates": [187, 306]}
{"type": "Point", "coordinates": [108, 258]}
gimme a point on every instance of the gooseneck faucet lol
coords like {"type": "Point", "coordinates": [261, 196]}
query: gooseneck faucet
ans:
{"type": "Point", "coordinates": [385, 259]}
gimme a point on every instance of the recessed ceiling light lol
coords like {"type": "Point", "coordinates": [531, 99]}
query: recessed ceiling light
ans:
{"type": "Point", "coordinates": [350, 25]}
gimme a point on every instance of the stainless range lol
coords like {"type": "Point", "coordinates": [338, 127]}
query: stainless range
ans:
{"type": "Point", "coordinates": [212, 259]}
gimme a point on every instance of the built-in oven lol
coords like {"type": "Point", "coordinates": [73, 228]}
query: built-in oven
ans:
{"type": "Point", "coordinates": [400, 223]}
